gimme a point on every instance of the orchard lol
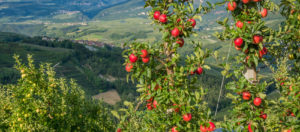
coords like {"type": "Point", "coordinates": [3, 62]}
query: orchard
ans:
{"type": "Point", "coordinates": [169, 98]}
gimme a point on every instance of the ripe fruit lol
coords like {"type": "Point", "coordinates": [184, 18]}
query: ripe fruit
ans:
{"type": "Point", "coordinates": [174, 129]}
{"type": "Point", "coordinates": [176, 109]}
{"type": "Point", "coordinates": [193, 21]}
{"type": "Point", "coordinates": [156, 15]}
{"type": "Point", "coordinates": [187, 117]}
{"type": "Point", "coordinates": [203, 129]}
{"type": "Point", "coordinates": [154, 103]}
{"type": "Point", "coordinates": [199, 71]}
{"type": "Point", "coordinates": [211, 127]}
{"type": "Point", "coordinates": [239, 24]}
{"type": "Point", "coordinates": [288, 130]}
{"type": "Point", "coordinates": [264, 13]}
{"type": "Point", "coordinates": [246, 1]}
{"type": "Point", "coordinates": [246, 95]}
{"type": "Point", "coordinates": [238, 42]}
{"type": "Point", "coordinates": [257, 101]}
{"type": "Point", "coordinates": [178, 20]}
{"type": "Point", "coordinates": [146, 59]}
{"type": "Point", "coordinates": [231, 6]}
{"type": "Point", "coordinates": [128, 67]}
{"type": "Point", "coordinates": [144, 53]}
{"type": "Point", "coordinates": [133, 58]}
{"type": "Point", "coordinates": [263, 116]}
{"type": "Point", "coordinates": [119, 130]}
{"type": "Point", "coordinates": [180, 41]}
{"type": "Point", "coordinates": [149, 106]}
{"type": "Point", "coordinates": [257, 39]}
{"type": "Point", "coordinates": [249, 127]}
{"type": "Point", "coordinates": [175, 32]}
{"type": "Point", "coordinates": [163, 18]}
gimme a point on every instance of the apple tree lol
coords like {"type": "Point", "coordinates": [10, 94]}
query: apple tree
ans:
{"type": "Point", "coordinates": [249, 34]}
{"type": "Point", "coordinates": [169, 98]}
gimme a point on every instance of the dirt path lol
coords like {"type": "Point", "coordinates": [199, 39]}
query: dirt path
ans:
{"type": "Point", "coordinates": [111, 97]}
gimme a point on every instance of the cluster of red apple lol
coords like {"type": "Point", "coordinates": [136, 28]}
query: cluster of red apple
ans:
{"type": "Point", "coordinates": [152, 103]}
{"type": "Point", "coordinates": [133, 58]}
{"type": "Point", "coordinates": [257, 39]}
{"type": "Point", "coordinates": [175, 32]}
{"type": "Point", "coordinates": [257, 102]}
{"type": "Point", "coordinates": [188, 117]}
{"type": "Point", "coordinates": [199, 71]}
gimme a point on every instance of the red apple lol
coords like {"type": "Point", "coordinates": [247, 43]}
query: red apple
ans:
{"type": "Point", "coordinates": [180, 41]}
{"type": "Point", "coordinates": [128, 67]}
{"type": "Point", "coordinates": [238, 42]}
{"type": "Point", "coordinates": [149, 106]}
{"type": "Point", "coordinates": [257, 39]}
{"type": "Point", "coordinates": [281, 84]}
{"type": "Point", "coordinates": [163, 18]}
{"type": "Point", "coordinates": [156, 15]}
{"type": "Point", "coordinates": [176, 109]}
{"type": "Point", "coordinates": [192, 72]}
{"type": "Point", "coordinates": [246, 1]}
{"type": "Point", "coordinates": [199, 71]}
{"type": "Point", "coordinates": [239, 24]}
{"type": "Point", "coordinates": [256, 0]}
{"type": "Point", "coordinates": [211, 127]}
{"type": "Point", "coordinates": [175, 32]}
{"type": "Point", "coordinates": [146, 59]}
{"type": "Point", "coordinates": [263, 116]}
{"type": "Point", "coordinates": [249, 127]}
{"type": "Point", "coordinates": [178, 20]}
{"type": "Point", "coordinates": [133, 58]}
{"type": "Point", "coordinates": [257, 101]}
{"type": "Point", "coordinates": [187, 117]}
{"type": "Point", "coordinates": [246, 95]}
{"type": "Point", "coordinates": [264, 13]}
{"type": "Point", "coordinates": [174, 129]}
{"type": "Point", "coordinates": [144, 53]}
{"type": "Point", "coordinates": [119, 130]}
{"type": "Point", "coordinates": [154, 103]}
{"type": "Point", "coordinates": [231, 6]}
{"type": "Point", "coordinates": [193, 22]}
{"type": "Point", "coordinates": [203, 128]}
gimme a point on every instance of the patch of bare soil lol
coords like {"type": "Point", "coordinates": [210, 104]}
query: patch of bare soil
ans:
{"type": "Point", "coordinates": [111, 97]}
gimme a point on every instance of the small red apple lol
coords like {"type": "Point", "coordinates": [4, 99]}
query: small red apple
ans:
{"type": "Point", "coordinates": [174, 129]}
{"type": "Point", "coordinates": [246, 1]}
{"type": "Point", "coordinates": [264, 13]}
{"type": "Point", "coordinates": [176, 109]}
{"type": "Point", "coordinates": [281, 84]}
{"type": "Point", "coordinates": [193, 21]}
{"type": "Point", "coordinates": [257, 39]}
{"type": "Point", "coordinates": [149, 106]}
{"type": "Point", "coordinates": [238, 42]}
{"type": "Point", "coordinates": [257, 101]}
{"type": "Point", "coordinates": [180, 41]}
{"type": "Point", "coordinates": [187, 117]}
{"type": "Point", "coordinates": [154, 103]}
{"type": "Point", "coordinates": [199, 71]}
{"type": "Point", "coordinates": [246, 95]}
{"type": "Point", "coordinates": [133, 58]}
{"type": "Point", "coordinates": [203, 128]}
{"type": "Point", "coordinates": [175, 32]}
{"type": "Point", "coordinates": [146, 59]}
{"type": "Point", "coordinates": [211, 127]}
{"type": "Point", "coordinates": [192, 72]}
{"type": "Point", "coordinates": [119, 130]}
{"type": "Point", "coordinates": [231, 6]}
{"type": "Point", "coordinates": [239, 24]}
{"type": "Point", "coordinates": [178, 20]}
{"type": "Point", "coordinates": [163, 18]}
{"type": "Point", "coordinates": [249, 127]}
{"type": "Point", "coordinates": [128, 67]}
{"type": "Point", "coordinates": [263, 116]}
{"type": "Point", "coordinates": [144, 53]}
{"type": "Point", "coordinates": [156, 15]}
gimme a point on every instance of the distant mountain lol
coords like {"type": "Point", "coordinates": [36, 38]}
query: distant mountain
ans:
{"type": "Point", "coordinates": [20, 10]}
